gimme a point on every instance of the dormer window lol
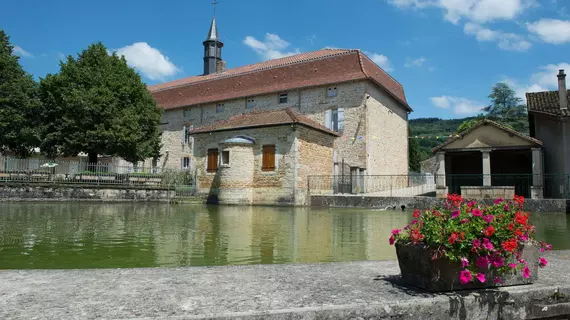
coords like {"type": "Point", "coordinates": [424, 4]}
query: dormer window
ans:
{"type": "Point", "coordinates": [220, 108]}
{"type": "Point", "coordinates": [282, 98]}
{"type": "Point", "coordinates": [250, 104]}
{"type": "Point", "coordinates": [332, 92]}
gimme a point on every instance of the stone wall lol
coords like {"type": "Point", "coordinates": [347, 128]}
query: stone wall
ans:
{"type": "Point", "coordinates": [387, 134]}
{"type": "Point", "coordinates": [172, 126]}
{"type": "Point", "coordinates": [275, 187]}
{"type": "Point", "coordinates": [82, 193]}
{"type": "Point", "coordinates": [315, 154]}
{"type": "Point", "coordinates": [487, 192]}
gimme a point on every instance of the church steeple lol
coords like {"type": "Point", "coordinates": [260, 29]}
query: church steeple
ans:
{"type": "Point", "coordinates": [213, 50]}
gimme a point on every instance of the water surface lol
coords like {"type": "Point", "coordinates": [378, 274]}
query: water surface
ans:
{"type": "Point", "coordinates": [84, 235]}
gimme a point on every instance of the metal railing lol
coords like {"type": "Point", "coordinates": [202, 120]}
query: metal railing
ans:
{"type": "Point", "coordinates": [554, 186]}
{"type": "Point", "coordinates": [41, 171]}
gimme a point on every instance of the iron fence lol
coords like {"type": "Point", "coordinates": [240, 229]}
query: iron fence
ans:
{"type": "Point", "coordinates": [43, 171]}
{"type": "Point", "coordinates": [553, 186]}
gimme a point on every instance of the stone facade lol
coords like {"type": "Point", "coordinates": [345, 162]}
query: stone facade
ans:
{"type": "Point", "coordinates": [374, 138]}
{"type": "Point", "coordinates": [80, 193]}
{"type": "Point", "coordinates": [299, 152]}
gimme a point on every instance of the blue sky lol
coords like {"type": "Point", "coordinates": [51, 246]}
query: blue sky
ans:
{"type": "Point", "coordinates": [446, 53]}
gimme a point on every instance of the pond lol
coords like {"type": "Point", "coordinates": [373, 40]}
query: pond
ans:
{"type": "Point", "coordinates": [88, 235]}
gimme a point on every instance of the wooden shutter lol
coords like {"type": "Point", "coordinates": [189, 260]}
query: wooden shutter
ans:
{"type": "Point", "coordinates": [268, 158]}
{"type": "Point", "coordinates": [212, 160]}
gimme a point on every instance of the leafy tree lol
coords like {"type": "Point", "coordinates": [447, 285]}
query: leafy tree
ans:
{"type": "Point", "coordinates": [19, 103]}
{"type": "Point", "coordinates": [504, 102]}
{"type": "Point", "coordinates": [415, 154]}
{"type": "Point", "coordinates": [97, 104]}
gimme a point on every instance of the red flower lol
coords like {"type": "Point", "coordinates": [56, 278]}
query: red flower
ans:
{"type": "Point", "coordinates": [518, 232]}
{"type": "Point", "coordinates": [417, 213]}
{"type": "Point", "coordinates": [511, 226]}
{"type": "Point", "coordinates": [510, 245]}
{"type": "Point", "coordinates": [521, 218]}
{"type": "Point", "coordinates": [519, 200]}
{"type": "Point", "coordinates": [454, 238]}
{"type": "Point", "coordinates": [490, 231]}
{"type": "Point", "coordinates": [416, 236]}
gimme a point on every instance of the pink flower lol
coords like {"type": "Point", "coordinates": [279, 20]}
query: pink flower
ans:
{"type": "Point", "coordinates": [455, 214]}
{"type": "Point", "coordinates": [526, 272]}
{"type": "Point", "coordinates": [464, 263]}
{"type": "Point", "coordinates": [497, 280]}
{"type": "Point", "coordinates": [465, 276]}
{"type": "Point", "coordinates": [542, 262]}
{"type": "Point", "coordinates": [497, 261]}
{"type": "Point", "coordinates": [391, 240]}
{"type": "Point", "coordinates": [506, 207]}
{"type": "Point", "coordinates": [523, 237]}
{"type": "Point", "coordinates": [512, 265]}
{"type": "Point", "coordinates": [482, 262]}
{"type": "Point", "coordinates": [471, 204]}
{"type": "Point", "coordinates": [396, 232]}
{"type": "Point", "coordinates": [414, 222]}
{"type": "Point", "coordinates": [489, 218]}
{"type": "Point", "coordinates": [464, 221]}
{"type": "Point", "coordinates": [548, 246]}
{"type": "Point", "coordinates": [481, 277]}
{"type": "Point", "coordinates": [499, 200]}
{"type": "Point", "coordinates": [488, 245]}
{"type": "Point", "coordinates": [541, 249]}
{"type": "Point", "coordinates": [477, 213]}
{"type": "Point", "coordinates": [477, 243]}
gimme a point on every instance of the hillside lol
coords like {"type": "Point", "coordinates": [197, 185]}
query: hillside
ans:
{"type": "Point", "coordinates": [430, 128]}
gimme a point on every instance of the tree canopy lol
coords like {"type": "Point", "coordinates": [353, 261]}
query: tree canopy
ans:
{"type": "Point", "coordinates": [19, 103]}
{"type": "Point", "coordinates": [97, 104]}
{"type": "Point", "coordinates": [415, 154]}
{"type": "Point", "coordinates": [504, 102]}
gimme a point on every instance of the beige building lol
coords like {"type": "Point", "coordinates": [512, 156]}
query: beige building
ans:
{"type": "Point", "coordinates": [342, 91]}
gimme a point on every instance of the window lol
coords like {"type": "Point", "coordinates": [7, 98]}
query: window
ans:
{"type": "Point", "coordinates": [186, 163]}
{"type": "Point", "coordinates": [331, 92]}
{"type": "Point", "coordinates": [335, 119]}
{"type": "Point", "coordinates": [187, 113]}
{"type": "Point", "coordinates": [212, 160]}
{"type": "Point", "coordinates": [283, 98]}
{"type": "Point", "coordinates": [250, 104]}
{"type": "Point", "coordinates": [220, 108]}
{"type": "Point", "coordinates": [225, 158]}
{"type": "Point", "coordinates": [268, 158]}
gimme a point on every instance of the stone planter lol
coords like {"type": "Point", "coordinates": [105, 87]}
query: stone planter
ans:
{"type": "Point", "coordinates": [419, 270]}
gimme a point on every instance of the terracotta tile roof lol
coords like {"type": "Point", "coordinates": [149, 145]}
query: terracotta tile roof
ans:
{"type": "Point", "coordinates": [327, 66]}
{"type": "Point", "coordinates": [264, 119]}
{"type": "Point", "coordinates": [546, 102]}
{"type": "Point", "coordinates": [486, 122]}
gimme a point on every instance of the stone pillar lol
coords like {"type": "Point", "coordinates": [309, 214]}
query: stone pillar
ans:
{"type": "Point", "coordinates": [537, 189]}
{"type": "Point", "coordinates": [440, 184]}
{"type": "Point", "coordinates": [486, 168]}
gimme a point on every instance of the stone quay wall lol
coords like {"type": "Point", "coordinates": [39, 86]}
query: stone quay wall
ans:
{"type": "Point", "coordinates": [36, 192]}
{"type": "Point", "coordinates": [422, 203]}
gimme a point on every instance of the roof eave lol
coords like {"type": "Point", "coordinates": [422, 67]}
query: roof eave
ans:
{"type": "Point", "coordinates": [264, 126]}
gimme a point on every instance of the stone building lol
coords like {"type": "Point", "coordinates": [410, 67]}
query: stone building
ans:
{"type": "Point", "coordinates": [549, 121]}
{"type": "Point", "coordinates": [341, 90]}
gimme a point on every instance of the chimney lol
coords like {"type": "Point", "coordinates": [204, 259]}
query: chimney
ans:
{"type": "Point", "coordinates": [562, 93]}
{"type": "Point", "coordinates": [220, 66]}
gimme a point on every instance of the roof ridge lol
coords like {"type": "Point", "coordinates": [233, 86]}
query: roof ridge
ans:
{"type": "Point", "coordinates": [222, 76]}
{"type": "Point", "coordinates": [379, 67]}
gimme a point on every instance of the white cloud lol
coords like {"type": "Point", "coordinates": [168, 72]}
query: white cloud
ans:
{"type": "Point", "coordinates": [505, 40]}
{"type": "Point", "coordinates": [543, 80]}
{"type": "Point", "coordinates": [551, 30]}
{"type": "Point", "coordinates": [61, 56]}
{"type": "Point", "coordinates": [273, 47]}
{"type": "Point", "coordinates": [474, 10]}
{"type": "Point", "coordinates": [460, 106]}
{"type": "Point", "coordinates": [148, 60]}
{"type": "Point", "coordinates": [381, 60]}
{"type": "Point", "coordinates": [419, 62]}
{"type": "Point", "coordinates": [21, 52]}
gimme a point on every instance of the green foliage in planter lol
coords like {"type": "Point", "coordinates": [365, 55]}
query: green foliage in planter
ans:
{"type": "Point", "coordinates": [478, 236]}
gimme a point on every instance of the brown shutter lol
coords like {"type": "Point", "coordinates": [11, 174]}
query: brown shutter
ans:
{"type": "Point", "coordinates": [268, 158]}
{"type": "Point", "coordinates": [212, 160]}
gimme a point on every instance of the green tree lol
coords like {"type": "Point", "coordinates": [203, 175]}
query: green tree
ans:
{"type": "Point", "coordinates": [19, 103]}
{"type": "Point", "coordinates": [97, 104]}
{"type": "Point", "coordinates": [504, 103]}
{"type": "Point", "coordinates": [415, 154]}
{"type": "Point", "coordinates": [467, 124]}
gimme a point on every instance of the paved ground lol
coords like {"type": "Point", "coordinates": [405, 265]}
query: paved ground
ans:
{"type": "Point", "coordinates": [359, 290]}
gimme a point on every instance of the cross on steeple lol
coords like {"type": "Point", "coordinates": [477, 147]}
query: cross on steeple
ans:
{"type": "Point", "coordinates": [212, 46]}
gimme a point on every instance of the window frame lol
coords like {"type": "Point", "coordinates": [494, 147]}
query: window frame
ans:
{"type": "Point", "coordinates": [283, 95]}
{"type": "Point", "coordinates": [220, 107]}
{"type": "Point", "coordinates": [222, 163]}
{"type": "Point", "coordinates": [186, 163]}
{"type": "Point", "coordinates": [249, 106]}
{"type": "Point", "coordinates": [265, 166]}
{"type": "Point", "coordinates": [332, 90]}
{"type": "Point", "coordinates": [215, 153]}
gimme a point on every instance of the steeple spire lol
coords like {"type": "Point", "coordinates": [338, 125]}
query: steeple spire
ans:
{"type": "Point", "coordinates": [213, 48]}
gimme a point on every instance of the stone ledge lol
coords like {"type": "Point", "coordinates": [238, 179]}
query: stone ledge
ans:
{"type": "Point", "coordinates": [354, 290]}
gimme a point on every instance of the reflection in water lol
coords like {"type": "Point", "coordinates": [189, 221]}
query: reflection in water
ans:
{"type": "Point", "coordinates": [138, 235]}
